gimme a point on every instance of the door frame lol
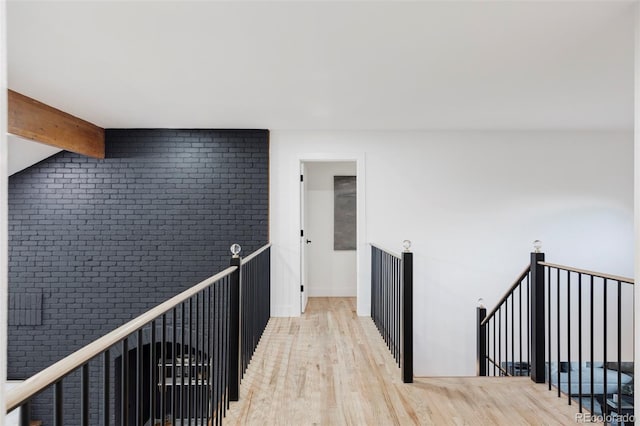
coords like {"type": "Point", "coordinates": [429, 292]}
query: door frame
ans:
{"type": "Point", "coordinates": [363, 290]}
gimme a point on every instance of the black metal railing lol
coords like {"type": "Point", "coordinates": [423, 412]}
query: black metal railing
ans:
{"type": "Point", "coordinates": [392, 304]}
{"type": "Point", "coordinates": [589, 338]}
{"type": "Point", "coordinates": [580, 332]}
{"type": "Point", "coordinates": [503, 335]}
{"type": "Point", "coordinates": [174, 364]}
{"type": "Point", "coordinates": [255, 294]}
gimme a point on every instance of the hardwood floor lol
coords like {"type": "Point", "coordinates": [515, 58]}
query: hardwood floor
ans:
{"type": "Point", "coordinates": [331, 367]}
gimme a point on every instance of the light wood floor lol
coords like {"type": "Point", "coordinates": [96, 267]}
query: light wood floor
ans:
{"type": "Point", "coordinates": [331, 367]}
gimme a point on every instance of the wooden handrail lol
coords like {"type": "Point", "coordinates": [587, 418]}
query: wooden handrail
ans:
{"type": "Point", "coordinates": [50, 375]}
{"type": "Point", "coordinates": [255, 253]}
{"type": "Point", "coordinates": [586, 272]}
{"type": "Point", "coordinates": [386, 251]}
{"type": "Point", "coordinates": [515, 284]}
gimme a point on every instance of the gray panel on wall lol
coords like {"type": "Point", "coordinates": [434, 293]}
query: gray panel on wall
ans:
{"type": "Point", "coordinates": [25, 308]}
{"type": "Point", "coordinates": [344, 213]}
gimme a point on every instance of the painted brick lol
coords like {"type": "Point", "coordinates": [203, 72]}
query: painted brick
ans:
{"type": "Point", "coordinates": [104, 240]}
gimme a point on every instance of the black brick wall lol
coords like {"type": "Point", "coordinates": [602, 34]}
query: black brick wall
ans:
{"type": "Point", "coordinates": [104, 240]}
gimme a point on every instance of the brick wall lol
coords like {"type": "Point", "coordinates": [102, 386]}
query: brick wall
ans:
{"type": "Point", "coordinates": [104, 240]}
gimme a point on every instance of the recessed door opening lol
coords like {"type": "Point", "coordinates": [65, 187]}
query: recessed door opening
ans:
{"type": "Point", "coordinates": [328, 237]}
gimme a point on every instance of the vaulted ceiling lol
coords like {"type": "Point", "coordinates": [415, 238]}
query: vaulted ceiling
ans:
{"type": "Point", "coordinates": [328, 65]}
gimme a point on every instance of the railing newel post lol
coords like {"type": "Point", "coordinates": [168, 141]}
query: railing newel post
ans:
{"type": "Point", "coordinates": [481, 340]}
{"type": "Point", "coordinates": [234, 324]}
{"type": "Point", "coordinates": [537, 317]}
{"type": "Point", "coordinates": [407, 315]}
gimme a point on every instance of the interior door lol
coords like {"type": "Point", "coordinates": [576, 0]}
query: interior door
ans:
{"type": "Point", "coordinates": [303, 241]}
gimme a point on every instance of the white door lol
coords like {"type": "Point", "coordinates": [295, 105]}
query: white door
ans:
{"type": "Point", "coordinates": [303, 241]}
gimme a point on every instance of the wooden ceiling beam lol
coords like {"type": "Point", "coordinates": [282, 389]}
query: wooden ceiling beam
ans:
{"type": "Point", "coordinates": [34, 120]}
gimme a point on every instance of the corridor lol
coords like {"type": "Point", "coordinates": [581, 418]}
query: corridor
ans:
{"type": "Point", "coordinates": [331, 367]}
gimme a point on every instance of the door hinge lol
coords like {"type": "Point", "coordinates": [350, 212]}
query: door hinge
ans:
{"type": "Point", "coordinates": [302, 288]}
{"type": "Point", "coordinates": [302, 233]}
{"type": "Point", "coordinates": [301, 178]}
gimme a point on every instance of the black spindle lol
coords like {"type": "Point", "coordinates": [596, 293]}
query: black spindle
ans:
{"type": "Point", "coordinates": [163, 371]}
{"type": "Point", "coordinates": [106, 383]}
{"type": "Point", "coordinates": [591, 336]}
{"type": "Point", "coordinates": [619, 347]}
{"type": "Point", "coordinates": [124, 378]}
{"type": "Point", "coordinates": [604, 346]}
{"type": "Point", "coordinates": [84, 396]}
{"type": "Point", "coordinates": [58, 410]}
{"type": "Point", "coordinates": [153, 374]}
{"type": "Point", "coordinates": [558, 326]}
{"type": "Point", "coordinates": [580, 342]}
{"type": "Point", "coordinates": [568, 338]}
{"type": "Point", "coordinates": [549, 325]}
{"type": "Point", "coordinates": [139, 380]}
{"type": "Point", "coordinates": [174, 365]}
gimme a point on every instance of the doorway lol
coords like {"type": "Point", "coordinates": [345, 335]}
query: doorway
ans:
{"type": "Point", "coordinates": [328, 243]}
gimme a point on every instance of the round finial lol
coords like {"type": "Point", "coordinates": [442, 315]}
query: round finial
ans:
{"type": "Point", "coordinates": [537, 245]}
{"type": "Point", "coordinates": [235, 249]}
{"type": "Point", "coordinates": [406, 244]}
{"type": "Point", "coordinates": [481, 303]}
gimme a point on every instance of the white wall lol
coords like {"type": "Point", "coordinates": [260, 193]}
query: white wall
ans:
{"type": "Point", "coordinates": [472, 203]}
{"type": "Point", "coordinates": [330, 273]}
{"type": "Point", "coordinates": [23, 153]}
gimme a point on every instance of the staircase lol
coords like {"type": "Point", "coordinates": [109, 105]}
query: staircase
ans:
{"type": "Point", "coordinates": [569, 328]}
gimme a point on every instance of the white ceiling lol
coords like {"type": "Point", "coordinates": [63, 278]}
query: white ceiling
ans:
{"type": "Point", "coordinates": [328, 65]}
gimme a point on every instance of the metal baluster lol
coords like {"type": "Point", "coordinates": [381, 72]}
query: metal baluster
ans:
{"type": "Point", "coordinates": [84, 395]}
{"type": "Point", "coordinates": [183, 357]}
{"type": "Point", "coordinates": [163, 380]}
{"type": "Point", "coordinates": [568, 338]}
{"type": "Point", "coordinates": [486, 360]}
{"type": "Point", "coordinates": [124, 406]}
{"type": "Point", "coordinates": [210, 366]}
{"type": "Point", "coordinates": [153, 382]}
{"type": "Point", "coordinates": [225, 352]}
{"type": "Point", "coordinates": [558, 325]}
{"type": "Point", "coordinates": [493, 320]}
{"type": "Point", "coordinates": [106, 370]}
{"type": "Point", "coordinates": [500, 340]}
{"type": "Point", "coordinates": [619, 348]}
{"type": "Point", "coordinates": [174, 365]}
{"type": "Point", "coordinates": [207, 353]}
{"type": "Point", "coordinates": [591, 337]}
{"type": "Point", "coordinates": [528, 329]}
{"type": "Point", "coordinates": [604, 316]}
{"type": "Point", "coordinates": [549, 325]}
{"type": "Point", "coordinates": [520, 323]}
{"type": "Point", "coordinates": [196, 371]}
{"type": "Point", "coordinates": [190, 365]}
{"type": "Point", "coordinates": [221, 304]}
{"type": "Point", "coordinates": [139, 387]}
{"type": "Point", "coordinates": [513, 344]}
{"type": "Point", "coordinates": [580, 343]}
{"type": "Point", "coordinates": [58, 406]}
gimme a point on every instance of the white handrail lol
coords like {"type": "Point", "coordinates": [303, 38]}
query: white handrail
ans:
{"type": "Point", "coordinates": [255, 253]}
{"type": "Point", "coordinates": [50, 375]}
{"type": "Point", "coordinates": [386, 251]}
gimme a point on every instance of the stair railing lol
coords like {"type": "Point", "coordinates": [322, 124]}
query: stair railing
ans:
{"type": "Point", "coordinates": [174, 363]}
{"type": "Point", "coordinates": [392, 303]}
{"type": "Point", "coordinates": [506, 327]}
{"type": "Point", "coordinates": [579, 334]}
